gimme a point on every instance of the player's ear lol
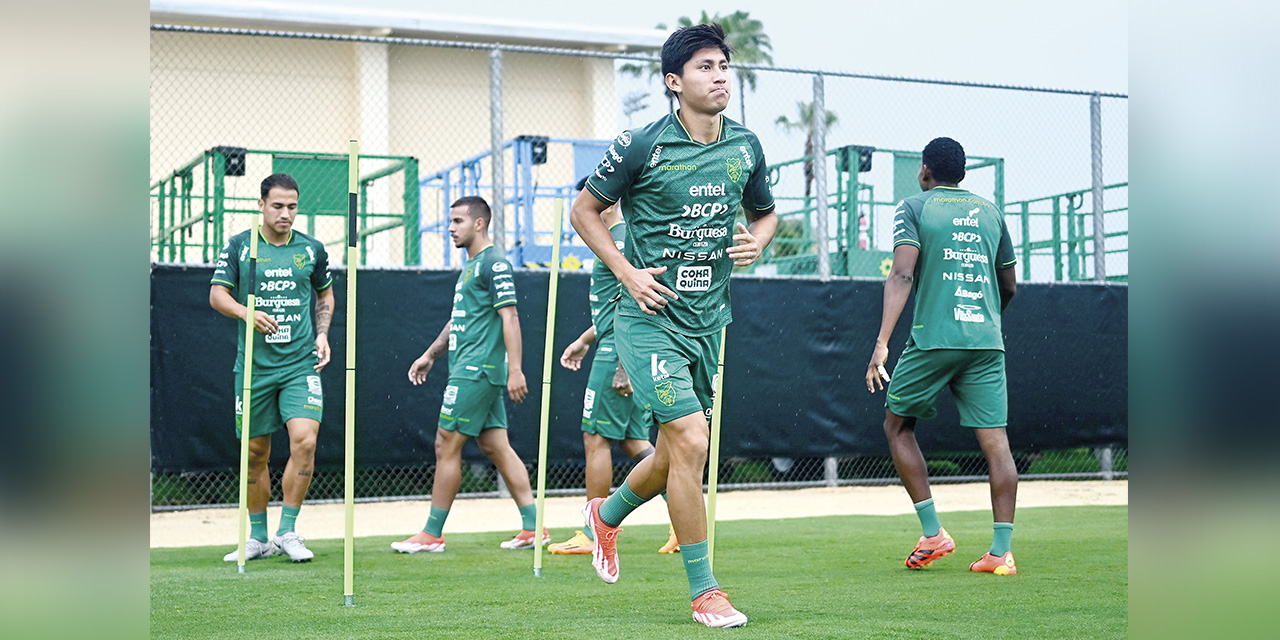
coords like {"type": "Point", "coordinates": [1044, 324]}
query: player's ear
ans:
{"type": "Point", "coordinates": [673, 82]}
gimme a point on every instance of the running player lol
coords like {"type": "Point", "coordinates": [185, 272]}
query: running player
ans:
{"type": "Point", "coordinates": [682, 179]}
{"type": "Point", "coordinates": [953, 248]}
{"type": "Point", "coordinates": [288, 354]}
{"type": "Point", "coordinates": [608, 413]}
{"type": "Point", "coordinates": [482, 338]}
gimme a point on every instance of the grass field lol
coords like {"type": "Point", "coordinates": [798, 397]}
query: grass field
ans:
{"type": "Point", "coordinates": [834, 577]}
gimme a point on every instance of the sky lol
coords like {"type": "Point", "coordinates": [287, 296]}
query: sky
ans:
{"type": "Point", "coordinates": [1080, 45]}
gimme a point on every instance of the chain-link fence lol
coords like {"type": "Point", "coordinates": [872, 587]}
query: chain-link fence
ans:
{"type": "Point", "coordinates": [175, 491]}
{"type": "Point", "coordinates": [438, 120]}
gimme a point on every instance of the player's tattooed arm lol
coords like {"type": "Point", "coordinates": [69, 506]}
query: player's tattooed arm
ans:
{"type": "Point", "coordinates": [422, 366]}
{"type": "Point", "coordinates": [324, 316]}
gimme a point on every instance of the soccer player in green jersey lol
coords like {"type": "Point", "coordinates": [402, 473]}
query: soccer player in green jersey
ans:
{"type": "Point", "coordinates": [482, 338]}
{"type": "Point", "coordinates": [681, 180]}
{"type": "Point", "coordinates": [608, 413]}
{"type": "Point", "coordinates": [288, 354]}
{"type": "Point", "coordinates": [953, 248]}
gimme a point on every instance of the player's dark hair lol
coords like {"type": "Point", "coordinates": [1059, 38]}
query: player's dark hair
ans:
{"type": "Point", "coordinates": [582, 184]}
{"type": "Point", "coordinates": [476, 208]}
{"type": "Point", "coordinates": [686, 41]}
{"type": "Point", "coordinates": [945, 159]}
{"type": "Point", "coordinates": [282, 180]}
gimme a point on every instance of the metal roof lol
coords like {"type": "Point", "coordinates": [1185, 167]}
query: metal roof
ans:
{"type": "Point", "coordinates": [240, 13]}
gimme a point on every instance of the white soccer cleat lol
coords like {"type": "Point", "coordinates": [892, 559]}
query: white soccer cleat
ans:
{"type": "Point", "coordinates": [252, 551]}
{"type": "Point", "coordinates": [420, 542]}
{"type": "Point", "coordinates": [290, 544]}
{"type": "Point", "coordinates": [524, 540]}
{"type": "Point", "coordinates": [713, 609]}
{"type": "Point", "coordinates": [604, 558]}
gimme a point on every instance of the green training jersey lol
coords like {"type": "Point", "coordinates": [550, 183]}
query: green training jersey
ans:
{"type": "Point", "coordinates": [605, 288]}
{"type": "Point", "coordinates": [963, 241]}
{"type": "Point", "coordinates": [287, 279]}
{"type": "Point", "coordinates": [476, 345]}
{"type": "Point", "coordinates": [680, 199]}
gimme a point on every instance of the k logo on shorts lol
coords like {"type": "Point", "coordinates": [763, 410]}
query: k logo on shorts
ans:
{"type": "Point", "coordinates": [666, 392]}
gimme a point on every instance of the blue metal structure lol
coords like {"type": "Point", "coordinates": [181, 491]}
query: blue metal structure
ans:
{"type": "Point", "coordinates": [527, 245]}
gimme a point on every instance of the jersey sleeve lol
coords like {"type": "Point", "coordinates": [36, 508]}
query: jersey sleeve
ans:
{"type": "Point", "coordinates": [502, 283]}
{"type": "Point", "coordinates": [906, 225]}
{"type": "Point", "coordinates": [227, 270]}
{"type": "Point", "coordinates": [757, 197]}
{"type": "Point", "coordinates": [1005, 257]}
{"type": "Point", "coordinates": [320, 277]}
{"type": "Point", "coordinates": [620, 166]}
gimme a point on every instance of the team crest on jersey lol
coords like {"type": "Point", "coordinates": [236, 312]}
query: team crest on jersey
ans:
{"type": "Point", "coordinates": [734, 165]}
{"type": "Point", "coordinates": [299, 260]}
{"type": "Point", "coordinates": [666, 392]}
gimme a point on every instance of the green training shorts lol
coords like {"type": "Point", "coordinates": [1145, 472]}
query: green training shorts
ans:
{"type": "Point", "coordinates": [471, 406]}
{"type": "Point", "coordinates": [673, 375]}
{"type": "Point", "coordinates": [280, 395]}
{"type": "Point", "coordinates": [976, 378]}
{"type": "Point", "coordinates": [604, 412]}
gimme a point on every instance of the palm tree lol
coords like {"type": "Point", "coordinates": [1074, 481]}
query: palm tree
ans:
{"type": "Point", "coordinates": [744, 34]}
{"type": "Point", "coordinates": [632, 102]}
{"type": "Point", "coordinates": [805, 123]}
{"type": "Point", "coordinates": [751, 45]}
{"type": "Point", "coordinates": [649, 70]}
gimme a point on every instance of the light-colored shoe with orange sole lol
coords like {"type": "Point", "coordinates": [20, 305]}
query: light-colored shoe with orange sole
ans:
{"type": "Point", "coordinates": [999, 565]}
{"type": "Point", "coordinates": [524, 540]}
{"type": "Point", "coordinates": [421, 541]}
{"type": "Point", "coordinates": [605, 556]}
{"type": "Point", "coordinates": [929, 549]}
{"type": "Point", "coordinates": [579, 543]}
{"type": "Point", "coordinates": [672, 545]}
{"type": "Point", "coordinates": [713, 609]}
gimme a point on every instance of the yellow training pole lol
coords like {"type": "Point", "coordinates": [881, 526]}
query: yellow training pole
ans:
{"type": "Point", "coordinates": [246, 392]}
{"type": "Point", "coordinates": [349, 485]}
{"type": "Point", "coordinates": [546, 390]}
{"type": "Point", "coordinates": [713, 474]}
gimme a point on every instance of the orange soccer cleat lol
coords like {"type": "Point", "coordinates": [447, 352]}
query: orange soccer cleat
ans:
{"type": "Point", "coordinates": [929, 549]}
{"type": "Point", "coordinates": [999, 565]}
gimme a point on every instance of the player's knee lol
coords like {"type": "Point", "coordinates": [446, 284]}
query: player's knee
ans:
{"type": "Point", "coordinates": [489, 449]}
{"type": "Point", "coordinates": [895, 424]}
{"type": "Point", "coordinates": [303, 448]}
{"type": "Point", "coordinates": [259, 452]}
{"type": "Point", "coordinates": [688, 450]}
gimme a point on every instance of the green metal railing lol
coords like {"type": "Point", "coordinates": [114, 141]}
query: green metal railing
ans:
{"type": "Point", "coordinates": [1068, 243]}
{"type": "Point", "coordinates": [191, 205]}
{"type": "Point", "coordinates": [794, 251]}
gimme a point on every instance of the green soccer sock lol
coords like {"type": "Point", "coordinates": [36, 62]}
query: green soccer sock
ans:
{"type": "Point", "coordinates": [288, 516]}
{"type": "Point", "coordinates": [258, 526]}
{"type": "Point", "coordinates": [529, 516]}
{"type": "Point", "coordinates": [619, 505]}
{"type": "Point", "coordinates": [435, 521]}
{"type": "Point", "coordinates": [1001, 538]}
{"type": "Point", "coordinates": [697, 567]}
{"type": "Point", "coordinates": [928, 517]}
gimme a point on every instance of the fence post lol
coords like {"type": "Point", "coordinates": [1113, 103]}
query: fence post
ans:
{"type": "Point", "coordinates": [498, 201]}
{"type": "Point", "coordinates": [820, 176]}
{"type": "Point", "coordinates": [1106, 462]}
{"type": "Point", "coordinates": [503, 491]}
{"type": "Point", "coordinates": [830, 471]}
{"type": "Point", "coordinates": [1099, 212]}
